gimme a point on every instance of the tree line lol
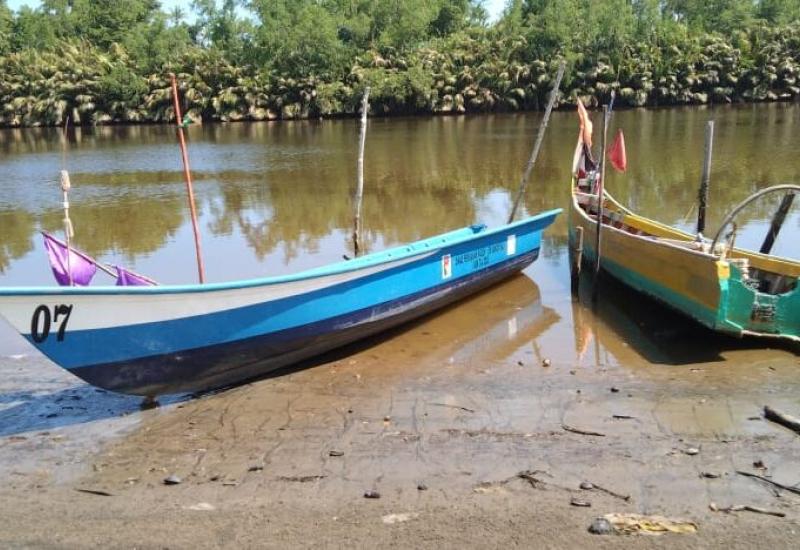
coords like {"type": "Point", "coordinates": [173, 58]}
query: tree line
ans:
{"type": "Point", "coordinates": [106, 61]}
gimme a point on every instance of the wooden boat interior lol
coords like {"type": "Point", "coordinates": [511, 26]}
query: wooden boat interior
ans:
{"type": "Point", "coordinates": [765, 273]}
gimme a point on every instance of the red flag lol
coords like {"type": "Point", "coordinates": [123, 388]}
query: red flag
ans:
{"type": "Point", "coordinates": [616, 154]}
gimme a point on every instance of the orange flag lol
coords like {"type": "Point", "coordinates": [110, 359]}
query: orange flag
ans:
{"type": "Point", "coordinates": [617, 155]}
{"type": "Point", "coordinates": [586, 125]}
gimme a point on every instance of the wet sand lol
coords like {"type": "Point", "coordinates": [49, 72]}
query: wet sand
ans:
{"type": "Point", "coordinates": [454, 420]}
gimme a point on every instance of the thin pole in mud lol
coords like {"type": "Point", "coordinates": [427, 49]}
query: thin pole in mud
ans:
{"type": "Point", "coordinates": [187, 176]}
{"type": "Point", "coordinates": [538, 144]}
{"type": "Point", "coordinates": [600, 191]}
{"type": "Point", "coordinates": [703, 194]}
{"type": "Point", "coordinates": [360, 171]}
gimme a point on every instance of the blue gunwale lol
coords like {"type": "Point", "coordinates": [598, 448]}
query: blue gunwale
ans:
{"type": "Point", "coordinates": [402, 252]}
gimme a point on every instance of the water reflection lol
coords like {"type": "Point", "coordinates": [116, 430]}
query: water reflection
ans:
{"type": "Point", "coordinates": [626, 328]}
{"type": "Point", "coordinates": [274, 198]}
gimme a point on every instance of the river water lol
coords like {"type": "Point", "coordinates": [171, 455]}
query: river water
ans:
{"type": "Point", "coordinates": [462, 399]}
{"type": "Point", "coordinates": [275, 198]}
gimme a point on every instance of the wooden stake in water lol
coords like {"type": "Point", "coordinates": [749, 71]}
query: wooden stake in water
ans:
{"type": "Point", "coordinates": [187, 176]}
{"type": "Point", "coordinates": [600, 196]}
{"type": "Point", "coordinates": [703, 195]}
{"type": "Point", "coordinates": [360, 172]}
{"type": "Point", "coordinates": [539, 138]}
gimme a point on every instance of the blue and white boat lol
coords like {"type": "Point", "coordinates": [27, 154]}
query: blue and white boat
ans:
{"type": "Point", "coordinates": [154, 340]}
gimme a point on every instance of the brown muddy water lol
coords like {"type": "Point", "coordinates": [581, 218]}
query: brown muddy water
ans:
{"type": "Point", "coordinates": [458, 402]}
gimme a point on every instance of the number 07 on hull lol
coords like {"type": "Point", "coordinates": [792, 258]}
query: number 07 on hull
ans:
{"type": "Point", "coordinates": [166, 339]}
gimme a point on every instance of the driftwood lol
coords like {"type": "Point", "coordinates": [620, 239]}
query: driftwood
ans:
{"type": "Point", "coordinates": [454, 407]}
{"type": "Point", "coordinates": [612, 493]}
{"type": "Point", "coordinates": [746, 508]}
{"type": "Point", "coordinates": [794, 490]}
{"type": "Point", "coordinates": [783, 419]}
{"type": "Point", "coordinates": [94, 492]}
{"type": "Point", "coordinates": [581, 432]}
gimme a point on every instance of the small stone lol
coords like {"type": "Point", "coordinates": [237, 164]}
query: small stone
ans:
{"type": "Point", "coordinates": [586, 486]}
{"type": "Point", "coordinates": [372, 494]}
{"type": "Point", "coordinates": [580, 503]}
{"type": "Point", "coordinates": [172, 480]}
{"type": "Point", "coordinates": [545, 362]}
{"type": "Point", "coordinates": [387, 418]}
{"type": "Point", "coordinates": [759, 465]}
{"type": "Point", "coordinates": [255, 468]}
{"type": "Point", "coordinates": [710, 475]}
{"type": "Point", "coordinates": [601, 526]}
{"type": "Point", "coordinates": [336, 453]}
{"type": "Point", "coordinates": [572, 372]}
{"type": "Point", "coordinates": [691, 451]}
{"type": "Point", "coordinates": [422, 487]}
{"type": "Point", "coordinates": [520, 363]}
{"type": "Point", "coordinates": [614, 389]}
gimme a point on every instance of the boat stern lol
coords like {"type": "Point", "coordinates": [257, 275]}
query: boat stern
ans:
{"type": "Point", "coordinates": [749, 311]}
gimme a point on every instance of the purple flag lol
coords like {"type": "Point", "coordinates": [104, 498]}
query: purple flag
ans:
{"type": "Point", "coordinates": [81, 266]}
{"type": "Point", "coordinates": [129, 278]}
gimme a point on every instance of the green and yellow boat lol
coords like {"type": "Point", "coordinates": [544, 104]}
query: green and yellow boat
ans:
{"type": "Point", "coordinates": [725, 288]}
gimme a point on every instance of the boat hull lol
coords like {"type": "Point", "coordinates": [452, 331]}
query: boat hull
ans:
{"type": "Point", "coordinates": [157, 340]}
{"type": "Point", "coordinates": [708, 289]}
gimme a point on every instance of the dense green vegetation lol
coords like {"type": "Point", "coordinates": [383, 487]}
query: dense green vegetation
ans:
{"type": "Point", "coordinates": [106, 61]}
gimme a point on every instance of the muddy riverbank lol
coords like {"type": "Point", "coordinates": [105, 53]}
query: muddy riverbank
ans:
{"type": "Point", "coordinates": [455, 421]}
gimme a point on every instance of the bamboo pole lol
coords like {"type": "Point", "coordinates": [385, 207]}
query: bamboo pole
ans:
{"type": "Point", "coordinates": [69, 232]}
{"type": "Point", "coordinates": [537, 145]}
{"type": "Point", "coordinates": [360, 171]}
{"type": "Point", "coordinates": [703, 194]}
{"type": "Point", "coordinates": [777, 223]}
{"type": "Point", "coordinates": [600, 195]}
{"type": "Point", "coordinates": [187, 176]}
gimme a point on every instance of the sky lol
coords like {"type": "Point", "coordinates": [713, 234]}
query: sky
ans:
{"type": "Point", "coordinates": [494, 7]}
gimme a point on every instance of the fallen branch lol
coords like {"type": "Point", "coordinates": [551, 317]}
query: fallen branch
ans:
{"type": "Point", "coordinates": [530, 477]}
{"type": "Point", "coordinates": [612, 493]}
{"type": "Point", "coordinates": [453, 407]}
{"type": "Point", "coordinates": [794, 490]}
{"type": "Point", "coordinates": [581, 432]}
{"type": "Point", "coordinates": [746, 508]}
{"type": "Point", "coordinates": [301, 479]}
{"type": "Point", "coordinates": [94, 492]}
{"type": "Point", "coordinates": [587, 486]}
{"type": "Point", "coordinates": [783, 419]}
